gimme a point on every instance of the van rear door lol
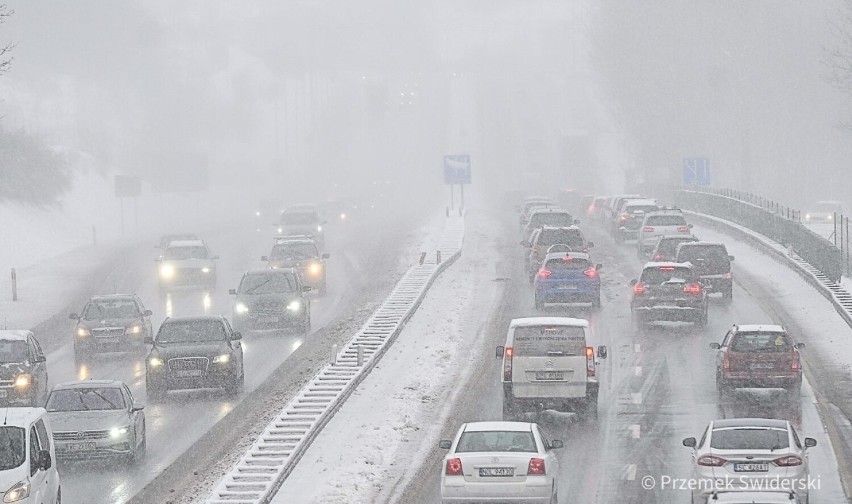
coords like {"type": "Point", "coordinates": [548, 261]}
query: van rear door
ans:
{"type": "Point", "coordinates": [549, 361]}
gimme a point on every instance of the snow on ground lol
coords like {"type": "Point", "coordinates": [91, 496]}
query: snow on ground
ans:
{"type": "Point", "coordinates": [375, 438]}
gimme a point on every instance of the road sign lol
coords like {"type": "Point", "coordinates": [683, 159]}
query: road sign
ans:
{"type": "Point", "coordinates": [696, 171]}
{"type": "Point", "coordinates": [127, 187]}
{"type": "Point", "coordinates": [457, 169]}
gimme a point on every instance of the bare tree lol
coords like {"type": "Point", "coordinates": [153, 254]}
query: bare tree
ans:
{"type": "Point", "coordinates": [5, 58]}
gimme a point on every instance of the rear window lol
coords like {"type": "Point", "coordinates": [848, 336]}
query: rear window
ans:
{"type": "Point", "coordinates": [629, 209]}
{"type": "Point", "coordinates": [570, 237]}
{"type": "Point", "coordinates": [544, 341]}
{"type": "Point", "coordinates": [749, 439]}
{"type": "Point", "coordinates": [662, 274]}
{"type": "Point", "coordinates": [709, 255]}
{"type": "Point", "coordinates": [668, 246]}
{"type": "Point", "coordinates": [496, 441]}
{"type": "Point", "coordinates": [665, 220]}
{"type": "Point", "coordinates": [766, 342]}
{"type": "Point", "coordinates": [567, 263]}
{"type": "Point", "coordinates": [551, 219]}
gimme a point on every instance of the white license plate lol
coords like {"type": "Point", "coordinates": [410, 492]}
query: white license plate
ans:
{"type": "Point", "coordinates": [80, 446]}
{"type": "Point", "coordinates": [549, 375]}
{"type": "Point", "coordinates": [108, 340]}
{"type": "Point", "coordinates": [490, 472]}
{"type": "Point", "coordinates": [189, 373]}
{"type": "Point", "coordinates": [267, 320]}
{"type": "Point", "coordinates": [751, 467]}
{"type": "Point", "coordinates": [762, 365]}
{"type": "Point", "coordinates": [567, 287]}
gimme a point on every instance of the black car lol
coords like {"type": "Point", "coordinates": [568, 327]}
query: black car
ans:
{"type": "Point", "coordinates": [272, 299]}
{"type": "Point", "coordinates": [301, 254]}
{"type": "Point", "coordinates": [194, 352]}
{"type": "Point", "coordinates": [668, 292]}
{"type": "Point", "coordinates": [113, 323]}
{"type": "Point", "coordinates": [23, 370]}
{"type": "Point", "coordinates": [666, 247]}
{"type": "Point", "coordinates": [713, 264]}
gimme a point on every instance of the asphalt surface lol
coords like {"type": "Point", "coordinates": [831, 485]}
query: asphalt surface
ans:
{"type": "Point", "coordinates": [361, 250]}
{"type": "Point", "coordinates": [658, 387]}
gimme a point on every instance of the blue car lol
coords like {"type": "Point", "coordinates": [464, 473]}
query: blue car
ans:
{"type": "Point", "coordinates": [567, 277]}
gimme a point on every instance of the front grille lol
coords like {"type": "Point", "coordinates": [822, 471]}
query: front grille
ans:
{"type": "Point", "coordinates": [188, 364]}
{"type": "Point", "coordinates": [80, 435]}
{"type": "Point", "coordinates": [108, 332]}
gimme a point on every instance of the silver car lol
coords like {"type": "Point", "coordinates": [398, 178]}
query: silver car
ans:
{"type": "Point", "coordinates": [507, 462]}
{"type": "Point", "coordinates": [187, 264]}
{"type": "Point", "coordinates": [744, 453]}
{"type": "Point", "coordinates": [96, 418]}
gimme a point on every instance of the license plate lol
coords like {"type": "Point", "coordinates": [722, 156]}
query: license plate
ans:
{"type": "Point", "coordinates": [751, 467]}
{"type": "Point", "coordinates": [567, 287]}
{"type": "Point", "coordinates": [80, 446]}
{"type": "Point", "coordinates": [490, 472]}
{"type": "Point", "coordinates": [549, 375]}
{"type": "Point", "coordinates": [189, 373]}
{"type": "Point", "coordinates": [762, 365]}
{"type": "Point", "coordinates": [267, 320]}
{"type": "Point", "coordinates": [107, 339]}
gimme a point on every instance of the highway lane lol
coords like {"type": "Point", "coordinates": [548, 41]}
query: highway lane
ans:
{"type": "Point", "coordinates": [361, 251]}
{"type": "Point", "coordinates": [658, 388]}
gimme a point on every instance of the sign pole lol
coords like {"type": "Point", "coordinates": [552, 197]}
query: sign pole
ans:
{"type": "Point", "coordinates": [452, 198]}
{"type": "Point", "coordinates": [461, 187]}
{"type": "Point", "coordinates": [121, 200]}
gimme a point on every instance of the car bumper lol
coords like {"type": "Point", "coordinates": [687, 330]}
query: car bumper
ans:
{"type": "Point", "coordinates": [268, 322]}
{"type": "Point", "coordinates": [168, 380]}
{"type": "Point", "coordinates": [103, 448]}
{"type": "Point", "coordinates": [556, 294]}
{"type": "Point", "coordinates": [572, 392]}
{"type": "Point", "coordinates": [535, 490]}
{"type": "Point", "coordinates": [768, 380]}
{"type": "Point", "coordinates": [670, 313]}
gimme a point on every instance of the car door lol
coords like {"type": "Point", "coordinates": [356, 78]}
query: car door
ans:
{"type": "Point", "coordinates": [39, 369]}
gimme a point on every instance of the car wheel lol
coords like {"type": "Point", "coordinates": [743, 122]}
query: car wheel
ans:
{"type": "Point", "coordinates": [636, 320]}
{"type": "Point", "coordinates": [237, 386]}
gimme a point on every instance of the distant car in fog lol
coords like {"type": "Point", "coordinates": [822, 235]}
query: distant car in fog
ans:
{"type": "Point", "coordinates": [543, 238]}
{"type": "Point", "coordinates": [550, 216]}
{"type": "Point", "coordinates": [629, 217]}
{"type": "Point", "coordinates": [96, 418]}
{"type": "Point", "coordinates": [713, 264]}
{"type": "Point", "coordinates": [666, 248]}
{"type": "Point", "coordinates": [669, 292]}
{"type": "Point", "coordinates": [300, 253]}
{"type": "Point", "coordinates": [23, 369]}
{"type": "Point", "coordinates": [115, 322]}
{"type": "Point", "coordinates": [824, 211]}
{"type": "Point", "coordinates": [187, 263]}
{"type": "Point", "coordinates": [659, 223]}
{"type": "Point", "coordinates": [166, 239]}
{"type": "Point", "coordinates": [302, 220]}
{"type": "Point", "coordinates": [271, 299]}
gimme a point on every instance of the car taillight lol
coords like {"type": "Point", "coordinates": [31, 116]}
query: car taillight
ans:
{"type": "Point", "coordinates": [623, 218]}
{"type": "Point", "coordinates": [639, 289]}
{"type": "Point", "coordinates": [590, 361]}
{"type": "Point", "coordinates": [535, 250]}
{"type": "Point", "coordinates": [454, 467]}
{"type": "Point", "coordinates": [658, 257]}
{"type": "Point", "coordinates": [788, 461]}
{"type": "Point", "coordinates": [683, 229]}
{"type": "Point", "coordinates": [536, 467]}
{"type": "Point", "coordinates": [694, 289]}
{"type": "Point", "coordinates": [795, 366]}
{"type": "Point", "coordinates": [648, 229]}
{"type": "Point", "coordinates": [590, 272]}
{"type": "Point", "coordinates": [728, 276]}
{"type": "Point", "coordinates": [726, 362]}
{"type": "Point", "coordinates": [543, 273]}
{"type": "Point", "coordinates": [710, 460]}
{"type": "Point", "coordinates": [507, 364]}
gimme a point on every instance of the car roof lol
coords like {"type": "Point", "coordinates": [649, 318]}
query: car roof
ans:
{"type": "Point", "coordinates": [638, 201]}
{"type": "Point", "coordinates": [89, 384]}
{"type": "Point", "coordinates": [268, 271]}
{"type": "Point", "coordinates": [700, 243]}
{"type": "Point", "coordinates": [169, 235]}
{"type": "Point", "coordinates": [537, 321]}
{"type": "Point", "coordinates": [102, 297]}
{"type": "Point", "coordinates": [186, 243]}
{"type": "Point", "coordinates": [749, 422]}
{"type": "Point", "coordinates": [572, 226]}
{"type": "Point", "coordinates": [498, 426]}
{"type": "Point", "coordinates": [21, 416]}
{"type": "Point", "coordinates": [15, 334]}
{"type": "Point", "coordinates": [193, 318]}
{"type": "Point", "coordinates": [663, 264]}
{"type": "Point", "coordinates": [761, 328]}
{"type": "Point", "coordinates": [279, 240]}
{"type": "Point", "coordinates": [549, 210]}
{"type": "Point", "coordinates": [560, 255]}
{"type": "Point", "coordinates": [690, 238]}
{"type": "Point", "coordinates": [306, 208]}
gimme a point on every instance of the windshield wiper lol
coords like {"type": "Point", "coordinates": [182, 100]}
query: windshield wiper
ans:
{"type": "Point", "coordinates": [261, 284]}
{"type": "Point", "coordinates": [114, 406]}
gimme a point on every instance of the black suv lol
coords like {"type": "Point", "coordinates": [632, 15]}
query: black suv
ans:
{"type": "Point", "coordinates": [670, 292]}
{"type": "Point", "coordinates": [272, 299]}
{"type": "Point", "coordinates": [117, 322]}
{"type": "Point", "coordinates": [194, 352]}
{"type": "Point", "coordinates": [713, 264]}
{"type": "Point", "coordinates": [302, 254]}
{"type": "Point", "coordinates": [23, 370]}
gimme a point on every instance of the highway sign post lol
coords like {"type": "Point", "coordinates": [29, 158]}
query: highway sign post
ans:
{"type": "Point", "coordinates": [696, 172]}
{"type": "Point", "coordinates": [457, 171]}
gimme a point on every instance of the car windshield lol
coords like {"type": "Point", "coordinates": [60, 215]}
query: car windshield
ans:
{"type": "Point", "coordinates": [12, 447]}
{"type": "Point", "coordinates": [551, 219]}
{"type": "Point", "coordinates": [182, 253]}
{"type": "Point", "coordinates": [299, 218]}
{"type": "Point", "coordinates": [86, 399]}
{"type": "Point", "coordinates": [748, 438]}
{"type": "Point", "coordinates": [567, 263]}
{"type": "Point", "coordinates": [570, 237]}
{"type": "Point", "coordinates": [763, 342]}
{"type": "Point", "coordinates": [111, 309]}
{"type": "Point", "coordinates": [496, 441]}
{"type": "Point", "coordinates": [663, 274]}
{"type": "Point", "coordinates": [191, 331]}
{"type": "Point", "coordinates": [13, 351]}
{"type": "Point", "coordinates": [274, 282]}
{"type": "Point", "coordinates": [665, 220]}
{"type": "Point", "coordinates": [543, 341]}
{"type": "Point", "coordinates": [293, 251]}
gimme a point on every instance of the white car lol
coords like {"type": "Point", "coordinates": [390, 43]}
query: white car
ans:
{"type": "Point", "coordinates": [655, 225]}
{"type": "Point", "coordinates": [187, 263]}
{"type": "Point", "coordinates": [739, 453]}
{"type": "Point", "coordinates": [752, 497]}
{"type": "Point", "coordinates": [824, 211]}
{"type": "Point", "coordinates": [28, 472]}
{"type": "Point", "coordinates": [506, 462]}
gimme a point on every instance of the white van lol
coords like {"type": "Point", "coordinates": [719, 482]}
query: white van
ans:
{"type": "Point", "coordinates": [548, 364]}
{"type": "Point", "coordinates": [27, 470]}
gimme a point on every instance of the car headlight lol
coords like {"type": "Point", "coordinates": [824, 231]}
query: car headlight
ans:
{"type": "Point", "coordinates": [117, 432]}
{"type": "Point", "coordinates": [319, 229]}
{"type": "Point", "coordinates": [314, 268]}
{"type": "Point", "coordinates": [155, 362]}
{"type": "Point", "coordinates": [23, 380]}
{"type": "Point", "coordinates": [20, 491]}
{"type": "Point", "coordinates": [134, 329]}
{"type": "Point", "coordinates": [830, 217]}
{"type": "Point", "coordinates": [280, 230]}
{"type": "Point", "coordinates": [807, 216]}
{"type": "Point", "coordinates": [83, 331]}
{"type": "Point", "coordinates": [241, 308]}
{"type": "Point", "coordinates": [167, 271]}
{"type": "Point", "coordinates": [222, 359]}
{"type": "Point", "coordinates": [205, 270]}
{"type": "Point", "coordinates": [343, 216]}
{"type": "Point", "coordinates": [294, 305]}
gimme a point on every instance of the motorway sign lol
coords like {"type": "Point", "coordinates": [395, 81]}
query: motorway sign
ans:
{"type": "Point", "coordinates": [696, 171]}
{"type": "Point", "coordinates": [457, 169]}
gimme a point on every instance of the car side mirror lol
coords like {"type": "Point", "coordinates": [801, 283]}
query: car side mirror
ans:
{"type": "Point", "coordinates": [306, 288]}
{"type": "Point", "coordinates": [599, 266]}
{"type": "Point", "coordinates": [731, 258]}
{"type": "Point", "coordinates": [445, 444]}
{"type": "Point", "coordinates": [326, 256]}
{"type": "Point", "coordinates": [576, 221]}
{"type": "Point", "coordinates": [147, 313]}
{"type": "Point", "coordinates": [232, 292]}
{"type": "Point", "coordinates": [810, 442]}
{"type": "Point", "coordinates": [236, 336]}
{"type": "Point", "coordinates": [602, 352]}
{"type": "Point", "coordinates": [500, 351]}
{"type": "Point", "coordinates": [715, 346]}
{"type": "Point", "coordinates": [689, 442]}
{"type": "Point", "coordinates": [590, 245]}
{"type": "Point", "coordinates": [149, 340]}
{"type": "Point", "coordinates": [45, 461]}
{"type": "Point", "coordinates": [74, 316]}
{"type": "Point", "coordinates": [689, 226]}
{"type": "Point", "coordinates": [137, 407]}
{"type": "Point", "coordinates": [39, 359]}
{"type": "Point", "coordinates": [799, 346]}
{"type": "Point", "coordinates": [634, 282]}
{"type": "Point", "coordinates": [264, 258]}
{"type": "Point", "coordinates": [556, 444]}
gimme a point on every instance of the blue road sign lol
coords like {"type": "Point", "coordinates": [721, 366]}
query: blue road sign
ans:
{"type": "Point", "coordinates": [696, 171]}
{"type": "Point", "coordinates": [457, 169]}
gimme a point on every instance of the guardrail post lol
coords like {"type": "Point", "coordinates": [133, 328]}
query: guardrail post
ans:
{"type": "Point", "coordinates": [333, 359]}
{"type": "Point", "coordinates": [360, 360]}
{"type": "Point", "coordinates": [422, 258]}
{"type": "Point", "coordinates": [14, 285]}
{"type": "Point", "coordinates": [438, 257]}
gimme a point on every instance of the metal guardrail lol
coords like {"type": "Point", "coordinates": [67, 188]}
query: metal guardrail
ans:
{"type": "Point", "coordinates": [779, 223]}
{"type": "Point", "coordinates": [263, 468]}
